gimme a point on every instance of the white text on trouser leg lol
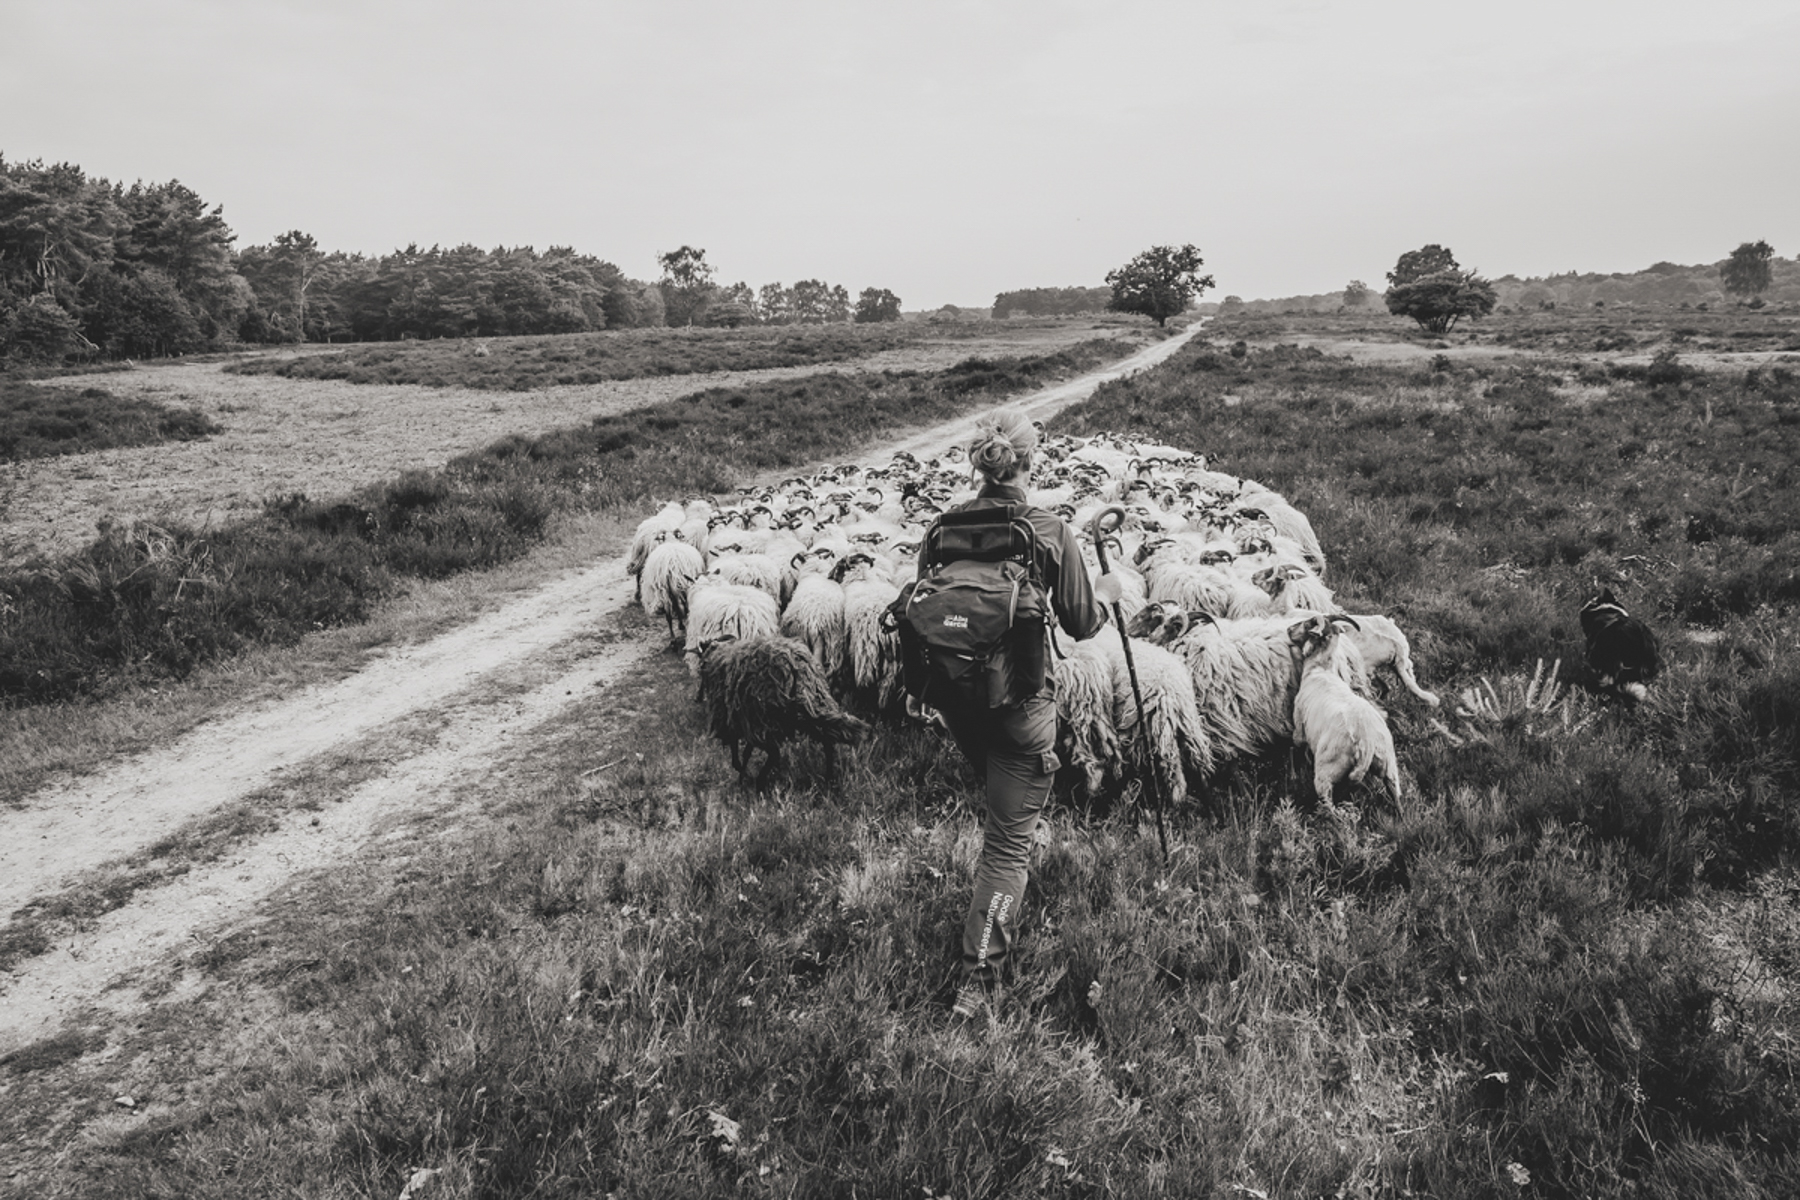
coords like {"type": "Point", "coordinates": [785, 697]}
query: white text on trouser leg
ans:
{"type": "Point", "coordinates": [999, 905]}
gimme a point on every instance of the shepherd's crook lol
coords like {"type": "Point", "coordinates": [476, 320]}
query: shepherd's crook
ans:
{"type": "Point", "coordinates": [1100, 529]}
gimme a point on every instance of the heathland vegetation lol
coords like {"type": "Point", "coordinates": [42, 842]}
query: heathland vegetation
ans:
{"type": "Point", "coordinates": [150, 602]}
{"type": "Point", "coordinates": [520, 364]}
{"type": "Point", "coordinates": [38, 421]}
{"type": "Point", "coordinates": [1565, 965]}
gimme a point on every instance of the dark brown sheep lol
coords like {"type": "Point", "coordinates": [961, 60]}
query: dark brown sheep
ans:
{"type": "Point", "coordinates": [761, 692]}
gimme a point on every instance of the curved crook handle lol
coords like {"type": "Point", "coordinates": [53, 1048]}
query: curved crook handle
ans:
{"type": "Point", "coordinates": [1100, 528]}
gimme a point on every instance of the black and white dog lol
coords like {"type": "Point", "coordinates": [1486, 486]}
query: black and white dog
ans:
{"type": "Point", "coordinates": [1621, 650]}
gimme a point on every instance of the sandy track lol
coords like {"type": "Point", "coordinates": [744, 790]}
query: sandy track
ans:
{"type": "Point", "coordinates": [68, 829]}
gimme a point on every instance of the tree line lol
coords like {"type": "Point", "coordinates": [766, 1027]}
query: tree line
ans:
{"type": "Point", "coordinates": [93, 268]}
{"type": "Point", "coordinates": [1427, 281]}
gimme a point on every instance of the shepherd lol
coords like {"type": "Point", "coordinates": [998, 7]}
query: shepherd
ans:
{"type": "Point", "coordinates": [974, 633]}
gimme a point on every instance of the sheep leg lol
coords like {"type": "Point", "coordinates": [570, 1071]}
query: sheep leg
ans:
{"type": "Point", "coordinates": [771, 763]}
{"type": "Point", "coordinates": [1404, 667]}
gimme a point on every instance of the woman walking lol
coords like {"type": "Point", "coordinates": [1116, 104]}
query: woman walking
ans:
{"type": "Point", "coordinates": [1012, 747]}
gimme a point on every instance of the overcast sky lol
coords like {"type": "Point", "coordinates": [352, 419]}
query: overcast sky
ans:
{"type": "Point", "coordinates": [947, 151]}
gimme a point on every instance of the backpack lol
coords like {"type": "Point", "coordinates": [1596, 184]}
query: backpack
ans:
{"type": "Point", "coordinates": [972, 626]}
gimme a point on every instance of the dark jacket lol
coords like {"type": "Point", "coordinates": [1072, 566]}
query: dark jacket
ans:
{"type": "Point", "coordinates": [1065, 575]}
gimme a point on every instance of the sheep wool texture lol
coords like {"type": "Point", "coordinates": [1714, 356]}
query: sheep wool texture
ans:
{"type": "Point", "coordinates": [1223, 566]}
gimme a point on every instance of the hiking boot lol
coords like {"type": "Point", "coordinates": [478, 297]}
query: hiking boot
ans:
{"type": "Point", "coordinates": [972, 1000]}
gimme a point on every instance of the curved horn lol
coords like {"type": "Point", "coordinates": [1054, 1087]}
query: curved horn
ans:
{"type": "Point", "coordinates": [800, 556]}
{"type": "Point", "coordinates": [1346, 619]}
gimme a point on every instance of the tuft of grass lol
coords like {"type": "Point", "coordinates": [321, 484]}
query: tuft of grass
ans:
{"type": "Point", "coordinates": [38, 421]}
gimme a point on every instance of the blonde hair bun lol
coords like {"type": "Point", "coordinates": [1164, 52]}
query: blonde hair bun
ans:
{"type": "Point", "coordinates": [1003, 441]}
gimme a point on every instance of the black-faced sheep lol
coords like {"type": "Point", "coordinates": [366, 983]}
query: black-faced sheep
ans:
{"type": "Point", "coordinates": [763, 692]}
{"type": "Point", "coordinates": [717, 609]}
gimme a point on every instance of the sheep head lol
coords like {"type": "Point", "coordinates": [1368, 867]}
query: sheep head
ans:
{"type": "Point", "coordinates": [849, 563]}
{"type": "Point", "coordinates": [1149, 548]}
{"type": "Point", "coordinates": [1314, 634]}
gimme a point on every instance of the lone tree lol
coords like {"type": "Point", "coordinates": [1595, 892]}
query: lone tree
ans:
{"type": "Point", "coordinates": [1159, 283]}
{"type": "Point", "coordinates": [1747, 271]}
{"type": "Point", "coordinates": [687, 284]}
{"type": "Point", "coordinates": [1357, 294]}
{"type": "Point", "coordinates": [1427, 285]}
{"type": "Point", "coordinates": [875, 305]}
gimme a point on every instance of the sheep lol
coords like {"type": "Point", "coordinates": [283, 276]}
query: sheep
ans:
{"type": "Point", "coordinates": [762, 692]}
{"type": "Point", "coordinates": [871, 660]}
{"type": "Point", "coordinates": [1256, 502]}
{"type": "Point", "coordinates": [1097, 713]}
{"type": "Point", "coordinates": [717, 609]}
{"type": "Point", "coordinates": [1244, 674]}
{"type": "Point", "coordinates": [669, 571]}
{"type": "Point", "coordinates": [815, 616]}
{"type": "Point", "coordinates": [651, 531]}
{"type": "Point", "coordinates": [1292, 587]}
{"type": "Point", "coordinates": [752, 570]}
{"type": "Point", "coordinates": [1085, 702]}
{"type": "Point", "coordinates": [1346, 733]}
{"type": "Point", "coordinates": [1382, 644]}
{"type": "Point", "coordinates": [1176, 732]}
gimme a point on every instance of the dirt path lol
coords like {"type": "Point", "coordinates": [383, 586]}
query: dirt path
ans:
{"type": "Point", "coordinates": [65, 831]}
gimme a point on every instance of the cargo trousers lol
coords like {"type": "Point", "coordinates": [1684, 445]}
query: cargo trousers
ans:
{"type": "Point", "coordinates": [1013, 751]}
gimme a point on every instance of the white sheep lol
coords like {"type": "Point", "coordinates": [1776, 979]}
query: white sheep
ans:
{"type": "Point", "coordinates": [1244, 674]}
{"type": "Point", "coordinates": [1381, 643]}
{"type": "Point", "coordinates": [752, 570]}
{"type": "Point", "coordinates": [1175, 734]}
{"type": "Point", "coordinates": [871, 661]}
{"type": "Point", "coordinates": [651, 531]}
{"type": "Point", "coordinates": [718, 610]}
{"type": "Point", "coordinates": [815, 616]}
{"type": "Point", "coordinates": [1345, 732]}
{"type": "Point", "coordinates": [1292, 587]}
{"type": "Point", "coordinates": [1085, 700]}
{"type": "Point", "coordinates": [669, 572]}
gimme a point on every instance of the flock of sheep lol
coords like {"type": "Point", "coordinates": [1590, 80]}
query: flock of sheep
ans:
{"type": "Point", "coordinates": [1239, 645]}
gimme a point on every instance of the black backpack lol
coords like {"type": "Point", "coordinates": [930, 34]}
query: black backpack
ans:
{"type": "Point", "coordinates": [972, 626]}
